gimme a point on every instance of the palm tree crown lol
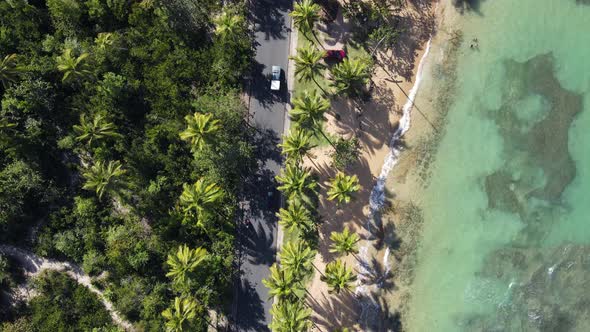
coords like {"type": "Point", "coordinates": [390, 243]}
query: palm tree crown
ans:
{"type": "Point", "coordinates": [290, 317]}
{"type": "Point", "coordinates": [309, 109]}
{"type": "Point", "coordinates": [200, 129]}
{"type": "Point", "coordinates": [73, 67]}
{"type": "Point", "coordinates": [296, 216]}
{"type": "Point", "coordinates": [282, 283]}
{"type": "Point", "coordinates": [342, 187]}
{"type": "Point", "coordinates": [338, 277]}
{"type": "Point", "coordinates": [184, 262]}
{"type": "Point", "coordinates": [228, 24]}
{"type": "Point", "coordinates": [8, 70]}
{"type": "Point", "coordinates": [104, 40]}
{"type": "Point", "coordinates": [308, 63]}
{"type": "Point", "coordinates": [104, 178]}
{"type": "Point", "coordinates": [295, 180]}
{"type": "Point", "coordinates": [344, 243]}
{"type": "Point", "coordinates": [350, 76]}
{"type": "Point", "coordinates": [199, 198]}
{"type": "Point", "coordinates": [305, 14]}
{"type": "Point", "coordinates": [181, 316]}
{"type": "Point", "coordinates": [296, 145]}
{"type": "Point", "coordinates": [297, 257]}
{"type": "Point", "coordinates": [97, 129]}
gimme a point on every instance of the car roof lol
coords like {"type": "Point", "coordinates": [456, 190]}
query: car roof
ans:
{"type": "Point", "coordinates": [276, 68]}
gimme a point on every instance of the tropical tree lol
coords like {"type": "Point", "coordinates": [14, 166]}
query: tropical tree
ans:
{"type": "Point", "coordinates": [338, 277]}
{"type": "Point", "coordinates": [282, 283]}
{"type": "Point", "coordinates": [290, 317]}
{"type": "Point", "coordinates": [342, 187]}
{"type": "Point", "coordinates": [180, 317]}
{"type": "Point", "coordinates": [296, 145]}
{"type": "Point", "coordinates": [309, 111]}
{"type": "Point", "coordinates": [229, 23]}
{"type": "Point", "coordinates": [308, 64]}
{"type": "Point", "coordinates": [184, 262]}
{"type": "Point", "coordinates": [96, 129]}
{"type": "Point", "coordinates": [344, 243]}
{"type": "Point", "coordinates": [104, 178]}
{"type": "Point", "coordinates": [350, 76]}
{"type": "Point", "coordinates": [305, 14]}
{"type": "Point", "coordinates": [295, 180]}
{"type": "Point", "coordinates": [73, 68]}
{"type": "Point", "coordinates": [200, 130]}
{"type": "Point", "coordinates": [296, 216]}
{"type": "Point", "coordinates": [8, 70]}
{"type": "Point", "coordinates": [104, 40]}
{"type": "Point", "coordinates": [199, 199]}
{"type": "Point", "coordinates": [297, 257]}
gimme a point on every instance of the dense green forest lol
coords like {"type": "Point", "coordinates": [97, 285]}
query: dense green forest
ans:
{"type": "Point", "coordinates": [122, 150]}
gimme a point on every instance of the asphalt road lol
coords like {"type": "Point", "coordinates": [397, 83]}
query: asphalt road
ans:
{"type": "Point", "coordinates": [267, 113]}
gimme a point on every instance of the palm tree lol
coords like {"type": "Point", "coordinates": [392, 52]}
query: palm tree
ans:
{"type": "Point", "coordinates": [97, 129]}
{"type": "Point", "coordinates": [290, 317]}
{"type": "Point", "coordinates": [200, 130]}
{"type": "Point", "coordinates": [342, 187]}
{"type": "Point", "coordinates": [350, 76]}
{"type": "Point", "coordinates": [338, 277]}
{"type": "Point", "coordinates": [296, 216]}
{"type": "Point", "coordinates": [228, 24]}
{"type": "Point", "coordinates": [296, 145]}
{"type": "Point", "coordinates": [282, 283]}
{"type": "Point", "coordinates": [181, 316]}
{"type": "Point", "coordinates": [344, 243]}
{"type": "Point", "coordinates": [8, 70]}
{"type": "Point", "coordinates": [308, 64]}
{"type": "Point", "coordinates": [297, 257]}
{"type": "Point", "coordinates": [104, 178]}
{"type": "Point", "coordinates": [199, 199]}
{"type": "Point", "coordinates": [104, 40]}
{"type": "Point", "coordinates": [308, 111]}
{"type": "Point", "coordinates": [74, 68]}
{"type": "Point", "coordinates": [305, 14]}
{"type": "Point", "coordinates": [295, 180]}
{"type": "Point", "coordinates": [184, 263]}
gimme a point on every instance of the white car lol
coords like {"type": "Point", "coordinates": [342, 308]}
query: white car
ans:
{"type": "Point", "coordinates": [275, 82]}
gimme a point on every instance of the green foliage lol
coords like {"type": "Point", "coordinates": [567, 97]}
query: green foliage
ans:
{"type": "Point", "coordinates": [338, 277]}
{"type": "Point", "coordinates": [296, 181]}
{"type": "Point", "coordinates": [346, 152]}
{"type": "Point", "coordinates": [344, 243]}
{"type": "Point", "coordinates": [308, 63]}
{"type": "Point", "coordinates": [105, 178]}
{"type": "Point", "coordinates": [63, 305]}
{"type": "Point", "coordinates": [351, 76]}
{"type": "Point", "coordinates": [180, 317]}
{"type": "Point", "coordinates": [182, 265]}
{"type": "Point", "coordinates": [283, 284]}
{"type": "Point", "coordinates": [342, 187]}
{"type": "Point", "coordinates": [297, 257]}
{"type": "Point", "coordinates": [296, 145]}
{"type": "Point", "coordinates": [118, 77]}
{"type": "Point", "coordinates": [199, 200]}
{"type": "Point", "coordinates": [305, 14]}
{"type": "Point", "coordinates": [200, 131]}
{"type": "Point", "coordinates": [21, 187]}
{"type": "Point", "coordinates": [290, 316]}
{"type": "Point", "coordinates": [296, 216]}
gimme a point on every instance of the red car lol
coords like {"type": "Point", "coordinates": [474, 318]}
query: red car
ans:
{"type": "Point", "coordinates": [335, 54]}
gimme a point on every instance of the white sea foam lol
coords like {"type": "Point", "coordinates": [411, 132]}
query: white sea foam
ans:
{"type": "Point", "coordinates": [377, 197]}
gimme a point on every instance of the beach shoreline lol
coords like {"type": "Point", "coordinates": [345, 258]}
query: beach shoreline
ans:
{"type": "Point", "coordinates": [372, 309]}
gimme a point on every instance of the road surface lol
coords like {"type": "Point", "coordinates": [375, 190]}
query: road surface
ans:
{"type": "Point", "coordinates": [267, 113]}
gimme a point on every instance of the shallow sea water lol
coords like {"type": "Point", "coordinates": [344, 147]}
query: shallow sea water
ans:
{"type": "Point", "coordinates": [506, 241]}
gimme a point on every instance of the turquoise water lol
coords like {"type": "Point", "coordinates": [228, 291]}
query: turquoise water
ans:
{"type": "Point", "coordinates": [506, 242]}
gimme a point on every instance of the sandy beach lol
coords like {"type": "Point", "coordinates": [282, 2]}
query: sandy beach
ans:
{"type": "Point", "coordinates": [369, 308]}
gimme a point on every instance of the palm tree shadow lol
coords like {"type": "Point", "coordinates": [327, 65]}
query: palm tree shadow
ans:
{"type": "Point", "coordinates": [376, 315]}
{"type": "Point", "coordinates": [268, 17]}
{"type": "Point", "coordinates": [250, 314]}
{"type": "Point", "coordinates": [335, 311]}
{"type": "Point", "coordinates": [257, 245]}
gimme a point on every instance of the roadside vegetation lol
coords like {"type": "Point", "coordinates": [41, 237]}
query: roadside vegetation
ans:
{"type": "Point", "coordinates": [123, 148]}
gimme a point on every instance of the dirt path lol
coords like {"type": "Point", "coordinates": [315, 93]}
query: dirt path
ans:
{"type": "Point", "coordinates": [34, 265]}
